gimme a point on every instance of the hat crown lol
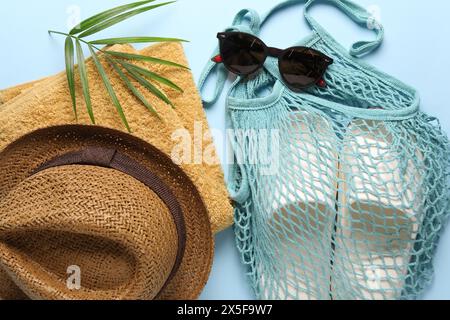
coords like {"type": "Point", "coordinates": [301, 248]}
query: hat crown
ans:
{"type": "Point", "coordinates": [49, 217]}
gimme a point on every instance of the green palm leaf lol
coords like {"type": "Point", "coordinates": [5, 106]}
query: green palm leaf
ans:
{"type": "Point", "coordinates": [109, 88]}
{"type": "Point", "coordinates": [84, 81]}
{"type": "Point", "coordinates": [92, 21]}
{"type": "Point", "coordinates": [139, 57]}
{"type": "Point", "coordinates": [128, 40]}
{"type": "Point", "coordinates": [70, 65]}
{"type": "Point", "coordinates": [118, 60]}
{"type": "Point", "coordinates": [131, 87]}
{"type": "Point", "coordinates": [153, 76]}
{"type": "Point", "coordinates": [115, 20]}
{"type": "Point", "coordinates": [145, 83]}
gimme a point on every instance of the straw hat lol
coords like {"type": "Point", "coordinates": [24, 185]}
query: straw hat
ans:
{"type": "Point", "coordinates": [91, 213]}
{"type": "Point", "coordinates": [46, 103]}
{"type": "Point", "coordinates": [108, 203]}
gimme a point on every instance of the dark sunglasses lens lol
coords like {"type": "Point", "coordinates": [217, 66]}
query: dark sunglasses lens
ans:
{"type": "Point", "coordinates": [242, 53]}
{"type": "Point", "coordinates": [302, 67]}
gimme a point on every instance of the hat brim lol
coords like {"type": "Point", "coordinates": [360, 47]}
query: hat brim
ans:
{"type": "Point", "coordinates": [22, 157]}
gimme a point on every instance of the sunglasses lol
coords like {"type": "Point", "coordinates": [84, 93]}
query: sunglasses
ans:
{"type": "Point", "coordinates": [300, 67]}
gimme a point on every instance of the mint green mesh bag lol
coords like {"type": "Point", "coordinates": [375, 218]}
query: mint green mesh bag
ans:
{"type": "Point", "coordinates": [340, 192]}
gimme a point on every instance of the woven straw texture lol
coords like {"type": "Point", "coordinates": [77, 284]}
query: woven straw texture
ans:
{"type": "Point", "coordinates": [47, 103]}
{"type": "Point", "coordinates": [112, 226]}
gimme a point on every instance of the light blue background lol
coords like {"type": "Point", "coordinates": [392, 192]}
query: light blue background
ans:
{"type": "Point", "coordinates": [415, 50]}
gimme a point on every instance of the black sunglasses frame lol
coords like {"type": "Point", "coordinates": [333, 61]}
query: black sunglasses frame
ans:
{"type": "Point", "coordinates": [276, 53]}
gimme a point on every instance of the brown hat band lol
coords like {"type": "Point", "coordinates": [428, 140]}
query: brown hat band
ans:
{"type": "Point", "coordinates": [111, 158]}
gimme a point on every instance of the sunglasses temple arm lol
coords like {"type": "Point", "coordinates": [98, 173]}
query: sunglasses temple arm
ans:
{"type": "Point", "coordinates": [217, 59]}
{"type": "Point", "coordinates": [321, 83]}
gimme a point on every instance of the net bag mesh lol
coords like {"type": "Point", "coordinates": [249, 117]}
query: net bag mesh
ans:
{"type": "Point", "coordinates": [331, 204]}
